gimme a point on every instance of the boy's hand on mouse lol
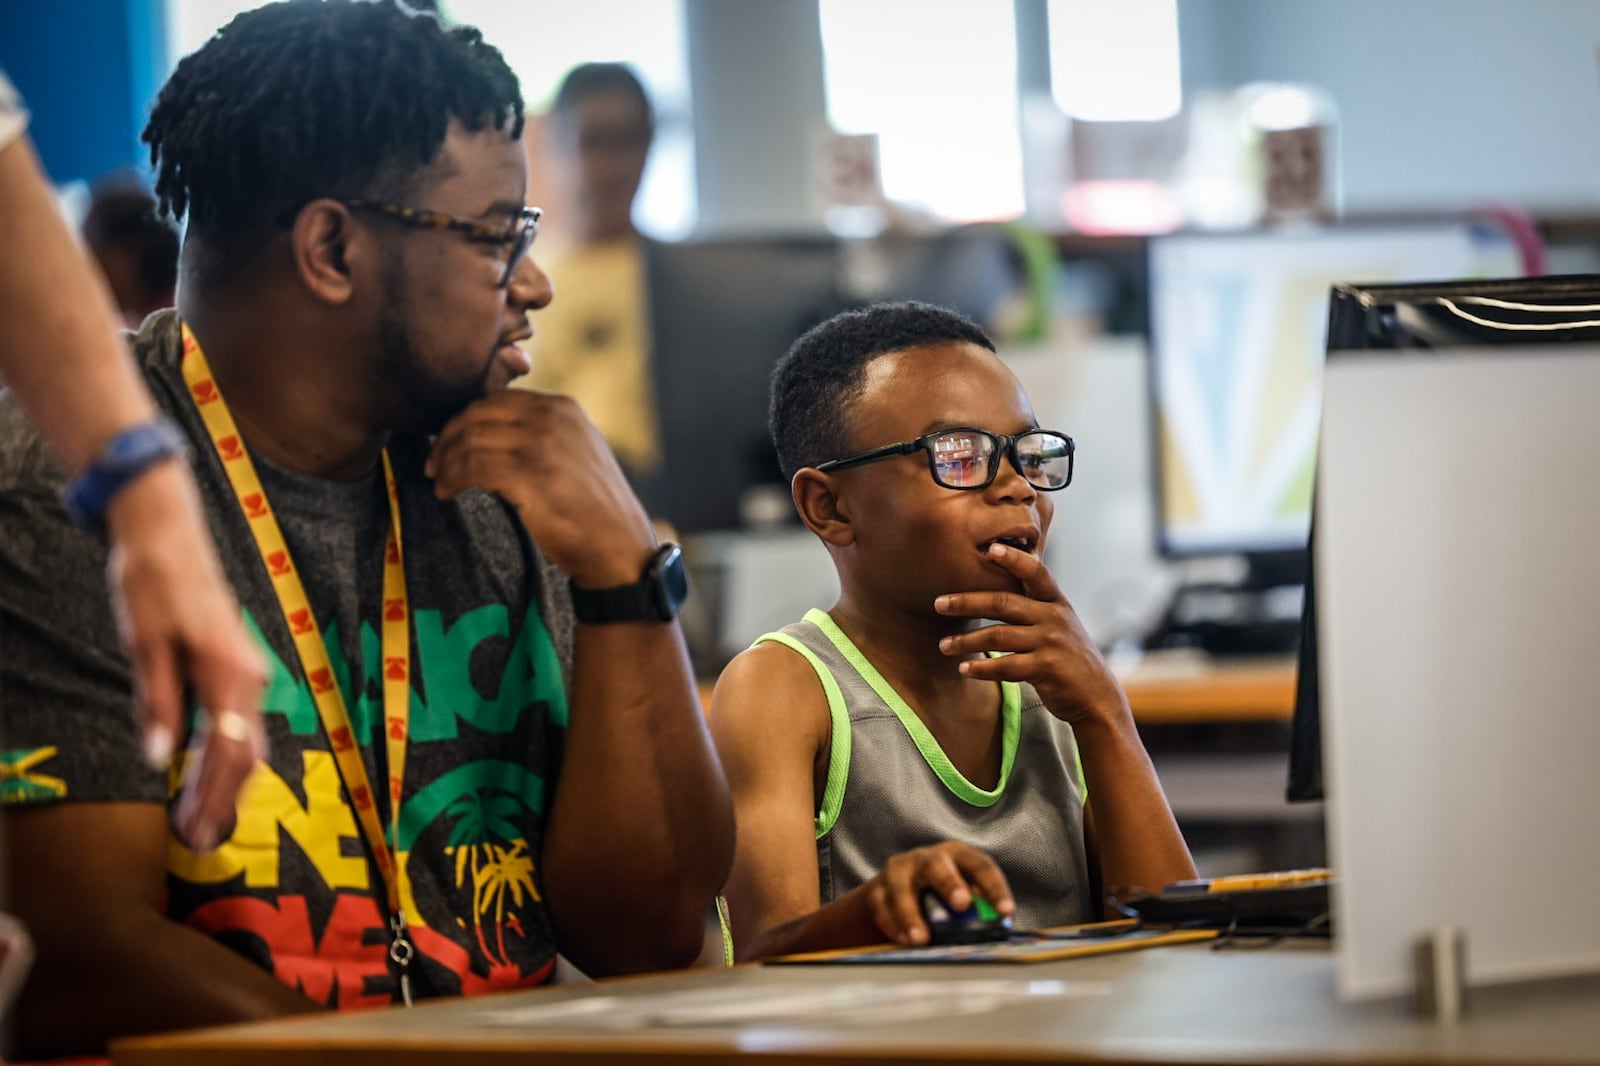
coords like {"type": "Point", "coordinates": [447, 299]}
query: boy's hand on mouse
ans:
{"type": "Point", "coordinates": [952, 869]}
{"type": "Point", "coordinates": [1049, 647]}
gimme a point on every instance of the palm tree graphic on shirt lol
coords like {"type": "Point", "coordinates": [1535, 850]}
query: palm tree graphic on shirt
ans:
{"type": "Point", "coordinates": [488, 847]}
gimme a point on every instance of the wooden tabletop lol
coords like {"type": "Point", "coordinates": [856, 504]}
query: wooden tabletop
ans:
{"type": "Point", "coordinates": [1165, 691]}
{"type": "Point", "coordinates": [1177, 690]}
{"type": "Point", "coordinates": [1163, 1005]}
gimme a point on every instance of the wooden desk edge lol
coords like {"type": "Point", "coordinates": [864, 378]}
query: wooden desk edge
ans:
{"type": "Point", "coordinates": [1257, 693]}
{"type": "Point", "coordinates": [1244, 694]}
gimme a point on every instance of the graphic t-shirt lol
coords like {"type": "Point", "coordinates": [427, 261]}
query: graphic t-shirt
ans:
{"type": "Point", "coordinates": [295, 888]}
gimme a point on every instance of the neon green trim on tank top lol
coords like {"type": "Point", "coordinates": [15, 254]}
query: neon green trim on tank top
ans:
{"type": "Point", "coordinates": [937, 760]}
{"type": "Point", "coordinates": [838, 743]}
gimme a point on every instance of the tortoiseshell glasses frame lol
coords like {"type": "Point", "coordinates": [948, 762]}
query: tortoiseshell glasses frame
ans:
{"type": "Point", "coordinates": [518, 236]}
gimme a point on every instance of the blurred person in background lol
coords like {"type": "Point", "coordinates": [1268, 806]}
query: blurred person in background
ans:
{"type": "Point", "coordinates": [593, 344]}
{"type": "Point", "coordinates": [135, 248]}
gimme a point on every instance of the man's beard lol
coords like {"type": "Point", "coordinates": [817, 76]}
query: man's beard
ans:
{"type": "Point", "coordinates": [427, 400]}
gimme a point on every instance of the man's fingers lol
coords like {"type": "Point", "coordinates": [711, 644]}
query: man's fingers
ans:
{"type": "Point", "coordinates": [452, 436]}
{"type": "Point", "coordinates": [495, 458]}
{"type": "Point", "coordinates": [514, 411]}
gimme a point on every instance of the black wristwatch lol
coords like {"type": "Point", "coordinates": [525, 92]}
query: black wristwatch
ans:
{"type": "Point", "coordinates": [655, 597]}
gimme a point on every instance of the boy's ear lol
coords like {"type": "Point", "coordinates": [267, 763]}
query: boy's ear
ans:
{"type": "Point", "coordinates": [322, 237]}
{"type": "Point", "coordinates": [816, 498]}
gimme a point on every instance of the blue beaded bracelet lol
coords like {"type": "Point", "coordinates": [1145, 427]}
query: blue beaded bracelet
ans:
{"type": "Point", "coordinates": [129, 454]}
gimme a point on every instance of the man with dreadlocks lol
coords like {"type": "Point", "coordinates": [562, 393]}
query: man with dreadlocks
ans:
{"type": "Point", "coordinates": [485, 741]}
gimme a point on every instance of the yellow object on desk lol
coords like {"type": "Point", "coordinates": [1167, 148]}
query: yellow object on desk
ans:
{"type": "Point", "coordinates": [1253, 882]}
{"type": "Point", "coordinates": [1047, 945]}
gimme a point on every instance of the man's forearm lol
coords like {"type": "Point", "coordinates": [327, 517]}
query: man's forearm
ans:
{"type": "Point", "coordinates": [641, 831]}
{"type": "Point", "coordinates": [141, 974]}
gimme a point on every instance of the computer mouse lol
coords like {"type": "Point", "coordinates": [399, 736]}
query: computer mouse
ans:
{"type": "Point", "coordinates": [975, 925]}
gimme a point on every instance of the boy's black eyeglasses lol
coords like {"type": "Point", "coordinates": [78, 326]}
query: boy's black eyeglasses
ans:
{"type": "Point", "coordinates": [965, 458]}
{"type": "Point", "coordinates": [518, 236]}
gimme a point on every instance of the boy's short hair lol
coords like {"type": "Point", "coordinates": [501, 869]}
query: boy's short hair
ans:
{"type": "Point", "coordinates": [819, 377]}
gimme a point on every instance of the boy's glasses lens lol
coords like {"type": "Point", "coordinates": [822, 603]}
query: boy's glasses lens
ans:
{"type": "Point", "coordinates": [961, 459]}
{"type": "Point", "coordinates": [1045, 459]}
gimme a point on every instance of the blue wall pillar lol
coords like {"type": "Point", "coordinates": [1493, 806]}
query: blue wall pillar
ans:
{"type": "Point", "coordinates": [88, 70]}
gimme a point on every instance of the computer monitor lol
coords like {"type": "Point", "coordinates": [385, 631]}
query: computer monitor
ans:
{"type": "Point", "coordinates": [723, 311]}
{"type": "Point", "coordinates": [1237, 327]}
{"type": "Point", "coordinates": [1444, 315]}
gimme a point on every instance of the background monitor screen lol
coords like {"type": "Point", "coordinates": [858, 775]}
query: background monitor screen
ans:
{"type": "Point", "coordinates": [723, 311]}
{"type": "Point", "coordinates": [1237, 330]}
{"type": "Point", "coordinates": [1450, 315]}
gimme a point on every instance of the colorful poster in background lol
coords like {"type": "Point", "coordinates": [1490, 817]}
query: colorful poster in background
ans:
{"type": "Point", "coordinates": [1238, 328]}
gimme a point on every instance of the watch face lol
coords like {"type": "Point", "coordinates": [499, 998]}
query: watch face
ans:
{"type": "Point", "coordinates": [673, 586]}
{"type": "Point", "coordinates": [656, 596]}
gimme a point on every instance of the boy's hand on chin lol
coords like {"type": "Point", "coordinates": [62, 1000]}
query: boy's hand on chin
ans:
{"type": "Point", "coordinates": [1048, 646]}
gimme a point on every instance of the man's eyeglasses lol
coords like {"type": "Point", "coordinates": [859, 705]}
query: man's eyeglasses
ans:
{"type": "Point", "coordinates": [965, 458]}
{"type": "Point", "coordinates": [517, 237]}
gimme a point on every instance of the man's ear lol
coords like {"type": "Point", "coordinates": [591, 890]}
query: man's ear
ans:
{"type": "Point", "coordinates": [816, 498]}
{"type": "Point", "coordinates": [327, 246]}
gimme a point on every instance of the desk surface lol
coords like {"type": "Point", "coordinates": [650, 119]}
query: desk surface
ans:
{"type": "Point", "coordinates": [1165, 1005]}
{"type": "Point", "coordinates": [1165, 691]}
{"type": "Point", "coordinates": [1172, 691]}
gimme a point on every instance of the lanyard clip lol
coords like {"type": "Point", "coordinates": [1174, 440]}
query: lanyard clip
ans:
{"type": "Point", "coordinates": [401, 952]}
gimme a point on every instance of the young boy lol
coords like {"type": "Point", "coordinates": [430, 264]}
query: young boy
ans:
{"type": "Point", "coordinates": [881, 748]}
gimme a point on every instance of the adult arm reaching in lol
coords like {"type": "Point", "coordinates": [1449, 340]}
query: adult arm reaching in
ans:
{"type": "Point", "coordinates": [61, 355]}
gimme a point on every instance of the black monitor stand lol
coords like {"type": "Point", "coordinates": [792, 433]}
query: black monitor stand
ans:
{"type": "Point", "coordinates": [1248, 618]}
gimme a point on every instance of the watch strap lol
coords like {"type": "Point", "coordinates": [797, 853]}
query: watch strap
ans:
{"type": "Point", "coordinates": [655, 597]}
{"type": "Point", "coordinates": [622, 603]}
{"type": "Point", "coordinates": [130, 453]}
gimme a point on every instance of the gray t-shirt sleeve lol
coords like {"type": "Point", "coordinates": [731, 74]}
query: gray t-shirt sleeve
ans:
{"type": "Point", "coordinates": [67, 727]}
{"type": "Point", "coordinates": [555, 605]}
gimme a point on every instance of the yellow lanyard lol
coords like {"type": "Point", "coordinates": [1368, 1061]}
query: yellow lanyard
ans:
{"type": "Point", "coordinates": [308, 639]}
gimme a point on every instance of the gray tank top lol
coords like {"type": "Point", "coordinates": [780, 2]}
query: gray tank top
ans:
{"type": "Point", "coordinates": [891, 788]}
